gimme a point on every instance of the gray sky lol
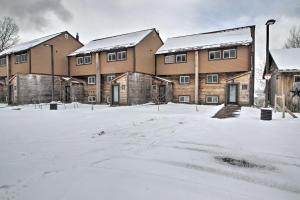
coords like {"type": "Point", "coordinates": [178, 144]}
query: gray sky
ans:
{"type": "Point", "coordinates": [97, 18]}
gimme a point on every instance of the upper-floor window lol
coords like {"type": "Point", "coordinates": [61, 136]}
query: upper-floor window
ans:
{"type": "Point", "coordinates": [184, 79]}
{"type": "Point", "coordinates": [212, 78]}
{"type": "Point", "coordinates": [180, 58]}
{"type": "Point", "coordinates": [117, 56]}
{"type": "Point", "coordinates": [92, 80]}
{"type": "Point", "coordinates": [21, 58]}
{"type": "Point", "coordinates": [84, 60]}
{"type": "Point", "coordinates": [214, 55]}
{"type": "Point", "coordinates": [2, 61]}
{"type": "Point", "coordinates": [170, 59]}
{"type": "Point", "coordinates": [110, 78]}
{"type": "Point", "coordinates": [297, 78]}
{"type": "Point", "coordinates": [121, 55]}
{"type": "Point", "coordinates": [175, 58]}
{"type": "Point", "coordinates": [229, 53]}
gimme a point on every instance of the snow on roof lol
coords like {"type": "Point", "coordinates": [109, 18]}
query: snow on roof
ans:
{"type": "Point", "coordinates": [27, 45]}
{"type": "Point", "coordinates": [162, 79]}
{"type": "Point", "coordinates": [113, 42]}
{"type": "Point", "coordinates": [237, 36]}
{"type": "Point", "coordinates": [287, 59]}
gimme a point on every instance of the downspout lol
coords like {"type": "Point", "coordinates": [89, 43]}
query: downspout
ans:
{"type": "Point", "coordinates": [30, 61]}
{"type": "Point", "coordinates": [98, 80]}
{"type": "Point", "coordinates": [7, 79]}
{"type": "Point", "coordinates": [134, 60]}
{"type": "Point", "coordinates": [196, 77]}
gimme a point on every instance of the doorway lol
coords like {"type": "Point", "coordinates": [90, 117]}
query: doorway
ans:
{"type": "Point", "coordinates": [115, 94]}
{"type": "Point", "coordinates": [162, 93]}
{"type": "Point", "coordinates": [232, 94]}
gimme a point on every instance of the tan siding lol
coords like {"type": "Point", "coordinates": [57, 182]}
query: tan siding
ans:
{"type": "Point", "coordinates": [176, 68]}
{"type": "Point", "coordinates": [2, 70]}
{"type": "Point", "coordinates": [123, 93]}
{"type": "Point", "coordinates": [241, 63]}
{"type": "Point", "coordinates": [82, 70]}
{"type": "Point", "coordinates": [18, 68]}
{"type": "Point", "coordinates": [41, 55]}
{"type": "Point", "coordinates": [145, 50]}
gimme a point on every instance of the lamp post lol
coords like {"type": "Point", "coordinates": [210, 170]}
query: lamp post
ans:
{"type": "Point", "coordinates": [53, 106]}
{"type": "Point", "coordinates": [267, 72]}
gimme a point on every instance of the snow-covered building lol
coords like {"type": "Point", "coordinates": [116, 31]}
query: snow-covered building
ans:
{"type": "Point", "coordinates": [210, 68]}
{"type": "Point", "coordinates": [285, 77]}
{"type": "Point", "coordinates": [102, 60]}
{"type": "Point", "coordinates": [32, 60]}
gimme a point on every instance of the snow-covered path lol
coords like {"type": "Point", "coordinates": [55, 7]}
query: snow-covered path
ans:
{"type": "Point", "coordinates": [145, 154]}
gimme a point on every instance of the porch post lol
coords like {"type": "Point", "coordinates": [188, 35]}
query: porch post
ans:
{"type": "Point", "coordinates": [7, 79]}
{"type": "Point", "coordinates": [196, 77]}
{"type": "Point", "coordinates": [98, 79]}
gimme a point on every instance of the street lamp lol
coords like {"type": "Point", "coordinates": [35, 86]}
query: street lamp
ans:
{"type": "Point", "coordinates": [267, 72]}
{"type": "Point", "coordinates": [53, 106]}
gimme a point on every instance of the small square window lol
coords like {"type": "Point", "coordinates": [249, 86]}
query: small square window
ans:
{"type": "Point", "coordinates": [297, 78]}
{"type": "Point", "coordinates": [111, 56]}
{"type": "Point", "coordinates": [110, 78]}
{"type": "Point", "coordinates": [212, 78]}
{"type": "Point", "coordinates": [215, 55]}
{"type": "Point", "coordinates": [244, 87]}
{"type": "Point", "coordinates": [229, 53]}
{"type": "Point", "coordinates": [154, 87]}
{"type": "Point", "coordinates": [92, 80]}
{"type": "Point", "coordinates": [2, 61]}
{"type": "Point", "coordinates": [123, 87]}
{"type": "Point", "coordinates": [79, 60]}
{"type": "Point", "coordinates": [87, 60]}
{"type": "Point", "coordinates": [91, 99]}
{"type": "Point", "coordinates": [184, 79]}
{"type": "Point", "coordinates": [21, 58]}
{"type": "Point", "coordinates": [180, 58]}
{"type": "Point", "coordinates": [121, 55]}
{"type": "Point", "coordinates": [170, 59]}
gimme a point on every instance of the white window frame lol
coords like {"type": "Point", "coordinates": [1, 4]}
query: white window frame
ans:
{"type": "Point", "coordinates": [123, 55]}
{"type": "Point", "coordinates": [184, 79]}
{"type": "Point", "coordinates": [154, 88]}
{"type": "Point", "coordinates": [184, 99]}
{"type": "Point", "coordinates": [212, 75]}
{"type": "Point", "coordinates": [79, 58]}
{"type": "Point", "coordinates": [91, 80]}
{"type": "Point", "coordinates": [295, 78]}
{"type": "Point", "coordinates": [91, 99]}
{"type": "Point", "coordinates": [169, 59]}
{"type": "Point", "coordinates": [182, 55]}
{"type": "Point", "coordinates": [109, 56]}
{"type": "Point", "coordinates": [84, 60]}
{"type": "Point", "coordinates": [109, 78]}
{"type": "Point", "coordinates": [214, 98]}
{"type": "Point", "coordinates": [21, 58]}
{"type": "Point", "coordinates": [3, 61]}
{"type": "Point", "coordinates": [214, 52]}
{"type": "Point", "coordinates": [229, 53]}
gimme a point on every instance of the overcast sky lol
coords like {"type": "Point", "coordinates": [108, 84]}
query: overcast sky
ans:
{"type": "Point", "coordinates": [96, 18]}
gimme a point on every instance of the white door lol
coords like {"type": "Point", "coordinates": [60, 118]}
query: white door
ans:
{"type": "Point", "coordinates": [116, 94]}
{"type": "Point", "coordinates": [232, 93]}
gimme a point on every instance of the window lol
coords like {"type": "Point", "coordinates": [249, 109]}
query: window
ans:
{"type": "Point", "coordinates": [229, 53]}
{"type": "Point", "coordinates": [184, 79]}
{"type": "Point", "coordinates": [79, 60]}
{"type": "Point", "coordinates": [92, 80]}
{"type": "Point", "coordinates": [66, 36]}
{"type": "Point", "coordinates": [180, 58]}
{"type": "Point", "coordinates": [121, 55]}
{"type": "Point", "coordinates": [21, 58]}
{"type": "Point", "coordinates": [91, 99]}
{"type": "Point", "coordinates": [297, 78]}
{"type": "Point", "coordinates": [123, 87]}
{"type": "Point", "coordinates": [110, 78]}
{"type": "Point", "coordinates": [244, 87]}
{"type": "Point", "coordinates": [170, 59]}
{"type": "Point", "coordinates": [111, 56]}
{"type": "Point", "coordinates": [212, 99]}
{"type": "Point", "coordinates": [2, 61]}
{"type": "Point", "coordinates": [184, 99]}
{"type": "Point", "coordinates": [154, 87]}
{"type": "Point", "coordinates": [212, 78]}
{"type": "Point", "coordinates": [215, 55]}
{"type": "Point", "coordinates": [87, 60]}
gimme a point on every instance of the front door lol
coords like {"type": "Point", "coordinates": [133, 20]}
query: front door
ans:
{"type": "Point", "coordinates": [67, 94]}
{"type": "Point", "coordinates": [232, 93]}
{"type": "Point", "coordinates": [162, 93]}
{"type": "Point", "coordinates": [115, 94]}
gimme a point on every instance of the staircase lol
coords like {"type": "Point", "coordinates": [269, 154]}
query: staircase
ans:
{"type": "Point", "coordinates": [228, 111]}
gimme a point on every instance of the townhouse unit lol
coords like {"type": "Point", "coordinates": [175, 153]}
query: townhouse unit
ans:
{"type": "Point", "coordinates": [210, 68]}
{"type": "Point", "coordinates": [100, 62]}
{"type": "Point", "coordinates": [26, 68]}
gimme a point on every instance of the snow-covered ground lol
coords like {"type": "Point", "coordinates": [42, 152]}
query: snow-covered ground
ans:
{"type": "Point", "coordinates": [139, 153]}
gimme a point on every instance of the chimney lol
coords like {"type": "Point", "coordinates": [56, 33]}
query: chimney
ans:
{"type": "Point", "coordinates": [77, 36]}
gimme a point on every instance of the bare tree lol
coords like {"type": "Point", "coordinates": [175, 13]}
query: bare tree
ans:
{"type": "Point", "coordinates": [293, 40]}
{"type": "Point", "coordinates": [8, 33]}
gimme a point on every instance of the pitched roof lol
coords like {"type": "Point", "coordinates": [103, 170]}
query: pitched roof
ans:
{"type": "Point", "coordinates": [27, 45]}
{"type": "Point", "coordinates": [113, 42]}
{"type": "Point", "coordinates": [229, 37]}
{"type": "Point", "coordinates": [287, 59]}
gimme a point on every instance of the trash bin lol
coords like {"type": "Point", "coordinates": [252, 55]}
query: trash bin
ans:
{"type": "Point", "coordinates": [53, 106]}
{"type": "Point", "coordinates": [266, 113]}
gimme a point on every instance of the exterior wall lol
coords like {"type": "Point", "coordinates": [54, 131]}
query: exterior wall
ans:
{"type": "Point", "coordinates": [139, 91]}
{"type": "Point", "coordinates": [2, 70]}
{"type": "Point", "coordinates": [144, 53]}
{"type": "Point", "coordinates": [240, 64]}
{"type": "Point", "coordinates": [41, 55]}
{"type": "Point", "coordinates": [243, 94]}
{"type": "Point", "coordinates": [82, 70]}
{"type": "Point", "coordinates": [176, 68]}
{"type": "Point", "coordinates": [18, 68]}
{"type": "Point", "coordinates": [123, 87]}
{"type": "Point", "coordinates": [3, 92]}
